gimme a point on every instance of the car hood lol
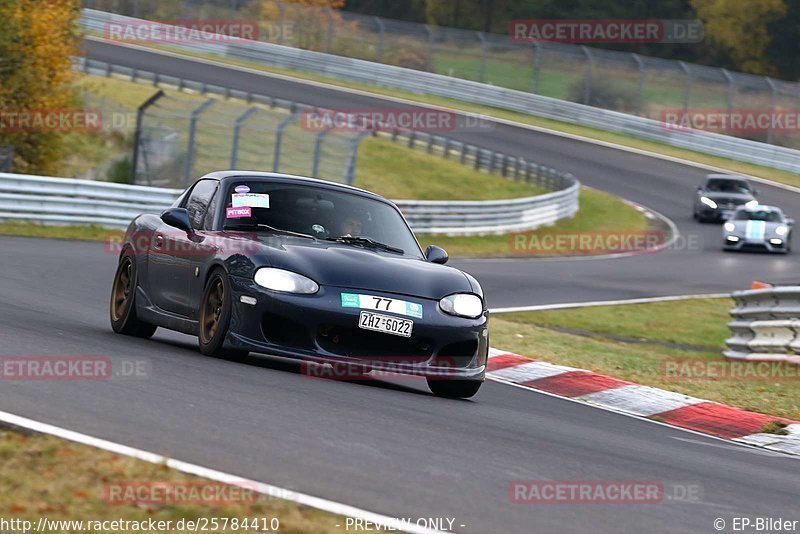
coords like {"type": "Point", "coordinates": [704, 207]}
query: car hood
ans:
{"type": "Point", "coordinates": [754, 229]}
{"type": "Point", "coordinates": [736, 198]}
{"type": "Point", "coordinates": [336, 264]}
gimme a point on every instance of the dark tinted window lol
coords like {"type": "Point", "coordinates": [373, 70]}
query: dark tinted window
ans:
{"type": "Point", "coordinates": [759, 215]}
{"type": "Point", "coordinates": [725, 185]}
{"type": "Point", "coordinates": [199, 200]}
{"type": "Point", "coordinates": [316, 211]}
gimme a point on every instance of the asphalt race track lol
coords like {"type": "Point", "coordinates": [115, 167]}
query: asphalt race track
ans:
{"type": "Point", "coordinates": [696, 264]}
{"type": "Point", "coordinates": [391, 447]}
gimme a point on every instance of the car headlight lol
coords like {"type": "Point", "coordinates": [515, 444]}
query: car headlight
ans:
{"type": "Point", "coordinates": [285, 281]}
{"type": "Point", "coordinates": [729, 227]}
{"type": "Point", "coordinates": [708, 202]}
{"type": "Point", "coordinates": [781, 230]}
{"type": "Point", "coordinates": [752, 204]}
{"type": "Point", "coordinates": [463, 305]}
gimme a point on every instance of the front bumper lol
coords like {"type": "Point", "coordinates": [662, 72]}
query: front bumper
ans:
{"type": "Point", "coordinates": [755, 245]}
{"type": "Point", "coordinates": [716, 214]}
{"type": "Point", "coordinates": [316, 328]}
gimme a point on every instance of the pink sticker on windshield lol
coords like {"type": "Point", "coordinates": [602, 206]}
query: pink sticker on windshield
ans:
{"type": "Point", "coordinates": [238, 213]}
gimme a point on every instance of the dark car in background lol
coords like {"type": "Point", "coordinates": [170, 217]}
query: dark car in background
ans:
{"type": "Point", "coordinates": [722, 194]}
{"type": "Point", "coordinates": [760, 228]}
{"type": "Point", "coordinates": [305, 269]}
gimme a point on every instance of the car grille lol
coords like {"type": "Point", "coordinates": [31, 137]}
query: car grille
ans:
{"type": "Point", "coordinates": [374, 346]}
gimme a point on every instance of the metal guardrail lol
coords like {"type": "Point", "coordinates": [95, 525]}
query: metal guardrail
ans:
{"type": "Point", "coordinates": [609, 79]}
{"type": "Point", "coordinates": [479, 93]}
{"type": "Point", "coordinates": [51, 200]}
{"type": "Point", "coordinates": [766, 325]}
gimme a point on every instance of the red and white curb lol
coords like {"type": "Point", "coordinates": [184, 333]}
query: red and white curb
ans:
{"type": "Point", "coordinates": [660, 405]}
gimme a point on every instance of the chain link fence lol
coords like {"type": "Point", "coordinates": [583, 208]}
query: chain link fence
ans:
{"type": "Point", "coordinates": [630, 83]}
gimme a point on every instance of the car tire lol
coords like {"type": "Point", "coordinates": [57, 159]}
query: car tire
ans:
{"type": "Point", "coordinates": [215, 316]}
{"type": "Point", "coordinates": [122, 309]}
{"type": "Point", "coordinates": [456, 389]}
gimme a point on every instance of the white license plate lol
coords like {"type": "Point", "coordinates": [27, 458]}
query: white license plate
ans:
{"type": "Point", "coordinates": [385, 323]}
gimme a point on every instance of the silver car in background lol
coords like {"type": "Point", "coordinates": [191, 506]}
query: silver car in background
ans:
{"type": "Point", "coordinates": [759, 228]}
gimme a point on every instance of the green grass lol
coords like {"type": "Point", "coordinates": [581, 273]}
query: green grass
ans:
{"type": "Point", "coordinates": [584, 131]}
{"type": "Point", "coordinates": [599, 211]}
{"type": "Point", "coordinates": [43, 476]}
{"type": "Point", "coordinates": [633, 342]}
{"type": "Point", "coordinates": [397, 172]}
{"type": "Point", "coordinates": [71, 232]}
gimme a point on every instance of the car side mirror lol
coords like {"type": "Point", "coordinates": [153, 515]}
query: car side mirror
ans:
{"type": "Point", "coordinates": [755, 192]}
{"type": "Point", "coordinates": [436, 254]}
{"type": "Point", "coordinates": [177, 218]}
{"type": "Point", "coordinates": [789, 221]}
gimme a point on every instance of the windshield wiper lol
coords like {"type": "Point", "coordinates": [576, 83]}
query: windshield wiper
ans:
{"type": "Point", "coordinates": [250, 226]}
{"type": "Point", "coordinates": [366, 242]}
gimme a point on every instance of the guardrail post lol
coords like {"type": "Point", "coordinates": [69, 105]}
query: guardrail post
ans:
{"type": "Point", "coordinates": [483, 56]}
{"type": "Point", "coordinates": [587, 84]}
{"type": "Point", "coordinates": [381, 38]}
{"type": "Point", "coordinates": [236, 133]}
{"type": "Point", "coordinates": [329, 36]}
{"type": "Point", "coordinates": [279, 138]}
{"type": "Point", "coordinates": [773, 104]}
{"type": "Point", "coordinates": [431, 45]}
{"type": "Point", "coordinates": [639, 83]}
{"type": "Point", "coordinates": [688, 90]}
{"type": "Point", "coordinates": [137, 136]}
{"type": "Point", "coordinates": [537, 65]}
{"type": "Point", "coordinates": [728, 97]}
{"type": "Point", "coordinates": [318, 152]}
{"type": "Point", "coordinates": [187, 171]}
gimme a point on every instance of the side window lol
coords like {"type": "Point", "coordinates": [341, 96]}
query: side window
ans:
{"type": "Point", "coordinates": [199, 200]}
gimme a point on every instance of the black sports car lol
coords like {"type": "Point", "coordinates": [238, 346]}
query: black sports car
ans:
{"type": "Point", "coordinates": [305, 269]}
{"type": "Point", "coordinates": [722, 194]}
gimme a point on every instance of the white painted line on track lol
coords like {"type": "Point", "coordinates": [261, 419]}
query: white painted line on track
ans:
{"type": "Point", "coordinates": [569, 305]}
{"type": "Point", "coordinates": [218, 476]}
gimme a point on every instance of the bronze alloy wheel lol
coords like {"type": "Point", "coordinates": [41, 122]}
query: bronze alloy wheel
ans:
{"type": "Point", "coordinates": [212, 310]}
{"type": "Point", "coordinates": [122, 289]}
{"type": "Point", "coordinates": [122, 309]}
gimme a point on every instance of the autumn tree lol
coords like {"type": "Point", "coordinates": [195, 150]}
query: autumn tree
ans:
{"type": "Point", "coordinates": [742, 27]}
{"type": "Point", "coordinates": [307, 23]}
{"type": "Point", "coordinates": [37, 40]}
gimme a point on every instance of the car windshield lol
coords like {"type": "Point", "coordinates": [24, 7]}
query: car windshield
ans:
{"type": "Point", "coordinates": [759, 215]}
{"type": "Point", "coordinates": [726, 185]}
{"type": "Point", "coordinates": [317, 212]}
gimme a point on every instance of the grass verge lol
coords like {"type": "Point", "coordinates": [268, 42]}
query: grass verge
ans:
{"type": "Point", "coordinates": [599, 212]}
{"type": "Point", "coordinates": [397, 172]}
{"type": "Point", "coordinates": [638, 342]}
{"type": "Point", "coordinates": [44, 476]}
{"type": "Point", "coordinates": [82, 233]}
{"type": "Point", "coordinates": [584, 131]}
